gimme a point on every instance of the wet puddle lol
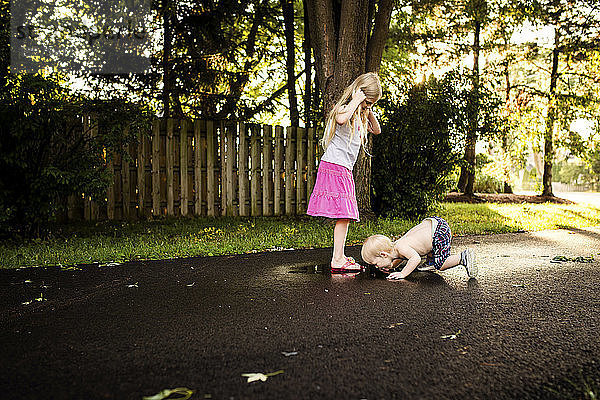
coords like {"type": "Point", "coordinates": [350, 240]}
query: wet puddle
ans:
{"type": "Point", "coordinates": [427, 278]}
{"type": "Point", "coordinates": [325, 269]}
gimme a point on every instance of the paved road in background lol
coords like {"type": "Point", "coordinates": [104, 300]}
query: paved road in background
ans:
{"type": "Point", "coordinates": [591, 198]}
{"type": "Point", "coordinates": [521, 330]}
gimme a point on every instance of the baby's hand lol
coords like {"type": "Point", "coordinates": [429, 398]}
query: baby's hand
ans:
{"type": "Point", "coordinates": [359, 96]}
{"type": "Point", "coordinates": [395, 276]}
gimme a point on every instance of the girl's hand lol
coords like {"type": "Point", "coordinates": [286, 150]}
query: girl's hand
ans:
{"type": "Point", "coordinates": [358, 96]}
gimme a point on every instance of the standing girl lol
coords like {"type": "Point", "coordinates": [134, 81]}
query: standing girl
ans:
{"type": "Point", "coordinates": [334, 194]}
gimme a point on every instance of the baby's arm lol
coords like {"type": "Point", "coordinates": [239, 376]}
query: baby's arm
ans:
{"type": "Point", "coordinates": [414, 259]}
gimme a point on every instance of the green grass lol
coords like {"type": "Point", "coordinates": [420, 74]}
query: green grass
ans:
{"type": "Point", "coordinates": [170, 238]}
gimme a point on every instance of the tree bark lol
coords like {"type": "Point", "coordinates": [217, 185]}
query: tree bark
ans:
{"type": "Point", "coordinates": [550, 120]}
{"type": "Point", "coordinates": [306, 44]}
{"type": "Point", "coordinates": [4, 42]}
{"type": "Point", "coordinates": [287, 7]}
{"type": "Point", "coordinates": [507, 188]}
{"type": "Point", "coordinates": [342, 52]}
{"type": "Point", "coordinates": [469, 173]}
{"type": "Point", "coordinates": [341, 56]}
{"type": "Point", "coordinates": [379, 36]}
{"type": "Point", "coordinates": [166, 64]}
{"type": "Point", "coordinates": [323, 40]}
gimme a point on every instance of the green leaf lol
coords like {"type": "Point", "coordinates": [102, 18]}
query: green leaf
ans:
{"type": "Point", "coordinates": [165, 393]}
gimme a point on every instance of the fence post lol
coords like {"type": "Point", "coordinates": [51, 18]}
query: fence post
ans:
{"type": "Point", "coordinates": [230, 155]}
{"type": "Point", "coordinates": [277, 170]}
{"type": "Point", "coordinates": [170, 147]}
{"type": "Point", "coordinates": [156, 167]}
{"type": "Point", "coordinates": [289, 165]}
{"type": "Point", "coordinates": [310, 173]}
{"type": "Point", "coordinates": [125, 179]}
{"type": "Point", "coordinates": [300, 185]}
{"type": "Point", "coordinates": [243, 170]}
{"type": "Point", "coordinates": [141, 177]}
{"type": "Point", "coordinates": [197, 169]}
{"type": "Point", "coordinates": [183, 168]}
{"type": "Point", "coordinates": [255, 160]}
{"type": "Point", "coordinates": [210, 168]}
{"type": "Point", "coordinates": [266, 168]}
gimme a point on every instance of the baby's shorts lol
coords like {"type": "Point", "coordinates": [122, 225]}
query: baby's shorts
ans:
{"type": "Point", "coordinates": [441, 244]}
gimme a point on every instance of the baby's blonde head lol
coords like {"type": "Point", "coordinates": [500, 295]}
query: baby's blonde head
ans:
{"type": "Point", "coordinates": [373, 246]}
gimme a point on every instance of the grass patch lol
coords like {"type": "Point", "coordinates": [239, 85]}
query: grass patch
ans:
{"type": "Point", "coordinates": [105, 242]}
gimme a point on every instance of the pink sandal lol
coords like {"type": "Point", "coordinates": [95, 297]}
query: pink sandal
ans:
{"type": "Point", "coordinates": [349, 266]}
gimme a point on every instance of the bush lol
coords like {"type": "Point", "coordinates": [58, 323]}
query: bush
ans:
{"type": "Point", "coordinates": [487, 184]}
{"type": "Point", "coordinates": [44, 153]}
{"type": "Point", "coordinates": [418, 149]}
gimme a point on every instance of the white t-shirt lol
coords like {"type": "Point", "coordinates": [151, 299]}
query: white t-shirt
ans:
{"type": "Point", "coordinates": [340, 151]}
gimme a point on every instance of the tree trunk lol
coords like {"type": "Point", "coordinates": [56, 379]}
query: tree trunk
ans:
{"type": "Point", "coordinates": [473, 117]}
{"type": "Point", "coordinates": [308, 71]}
{"type": "Point", "coordinates": [550, 120]}
{"type": "Point", "coordinates": [287, 7]}
{"type": "Point", "coordinates": [4, 42]}
{"type": "Point", "coordinates": [341, 56]}
{"type": "Point", "coordinates": [507, 188]}
{"type": "Point", "coordinates": [167, 39]}
{"type": "Point", "coordinates": [379, 36]}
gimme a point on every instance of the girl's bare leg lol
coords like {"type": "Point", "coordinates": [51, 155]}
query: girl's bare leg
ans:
{"type": "Point", "coordinates": [339, 241]}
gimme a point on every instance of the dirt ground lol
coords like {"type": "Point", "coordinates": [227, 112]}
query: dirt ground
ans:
{"type": "Point", "coordinates": [454, 197]}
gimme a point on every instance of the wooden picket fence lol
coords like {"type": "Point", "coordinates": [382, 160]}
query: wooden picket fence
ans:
{"type": "Point", "coordinates": [208, 168]}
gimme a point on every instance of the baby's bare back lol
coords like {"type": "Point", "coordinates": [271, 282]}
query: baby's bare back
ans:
{"type": "Point", "coordinates": [419, 237]}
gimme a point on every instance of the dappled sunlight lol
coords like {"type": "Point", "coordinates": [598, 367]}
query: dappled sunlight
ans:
{"type": "Point", "coordinates": [536, 217]}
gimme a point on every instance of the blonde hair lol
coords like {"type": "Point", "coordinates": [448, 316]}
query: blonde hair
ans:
{"type": "Point", "coordinates": [373, 246]}
{"type": "Point", "coordinates": [371, 87]}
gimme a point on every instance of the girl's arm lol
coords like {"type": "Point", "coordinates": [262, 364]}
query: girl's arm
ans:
{"type": "Point", "coordinates": [348, 110]}
{"type": "Point", "coordinates": [374, 127]}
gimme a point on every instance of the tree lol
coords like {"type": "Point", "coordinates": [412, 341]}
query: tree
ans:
{"type": "Point", "coordinates": [348, 39]}
{"type": "Point", "coordinates": [287, 7]}
{"type": "Point", "coordinates": [575, 32]}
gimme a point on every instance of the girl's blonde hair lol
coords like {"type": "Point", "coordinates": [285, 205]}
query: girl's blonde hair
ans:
{"type": "Point", "coordinates": [370, 85]}
{"type": "Point", "coordinates": [374, 245]}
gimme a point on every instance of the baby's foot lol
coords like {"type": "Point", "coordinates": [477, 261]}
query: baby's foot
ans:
{"type": "Point", "coordinates": [467, 258]}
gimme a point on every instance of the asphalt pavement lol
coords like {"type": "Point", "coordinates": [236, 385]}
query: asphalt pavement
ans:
{"type": "Point", "coordinates": [526, 328]}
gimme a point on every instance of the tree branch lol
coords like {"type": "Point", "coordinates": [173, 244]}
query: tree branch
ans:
{"type": "Point", "coordinates": [378, 39]}
{"type": "Point", "coordinates": [253, 111]}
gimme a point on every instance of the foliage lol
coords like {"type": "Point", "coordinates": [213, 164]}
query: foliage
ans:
{"type": "Point", "coordinates": [419, 146]}
{"type": "Point", "coordinates": [45, 154]}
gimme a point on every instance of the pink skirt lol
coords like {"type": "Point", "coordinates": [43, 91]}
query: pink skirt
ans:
{"type": "Point", "coordinates": [334, 194]}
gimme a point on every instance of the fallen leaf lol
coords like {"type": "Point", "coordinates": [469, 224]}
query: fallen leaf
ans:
{"type": "Point", "coordinates": [258, 376]}
{"type": "Point", "coordinates": [451, 337]}
{"type": "Point", "coordinates": [395, 324]}
{"type": "Point", "coordinates": [165, 393]}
